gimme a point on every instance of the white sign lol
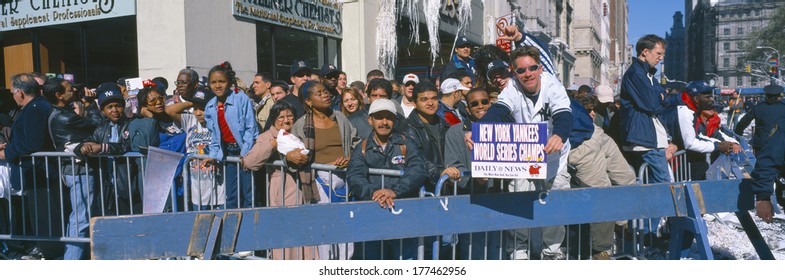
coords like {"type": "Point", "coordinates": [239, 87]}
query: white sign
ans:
{"type": "Point", "coordinates": [509, 150]}
{"type": "Point", "coordinates": [23, 14]}
{"type": "Point", "coordinates": [161, 169]}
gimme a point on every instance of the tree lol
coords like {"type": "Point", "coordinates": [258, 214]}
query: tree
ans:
{"type": "Point", "coordinates": [773, 35]}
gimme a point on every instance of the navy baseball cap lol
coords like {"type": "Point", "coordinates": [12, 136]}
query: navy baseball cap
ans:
{"type": "Point", "coordinates": [328, 69]}
{"type": "Point", "coordinates": [202, 95]}
{"type": "Point", "coordinates": [108, 92]}
{"type": "Point", "coordinates": [496, 66]}
{"type": "Point", "coordinates": [772, 89]}
{"type": "Point", "coordinates": [299, 66]}
{"type": "Point", "coordinates": [462, 42]}
{"type": "Point", "coordinates": [699, 86]}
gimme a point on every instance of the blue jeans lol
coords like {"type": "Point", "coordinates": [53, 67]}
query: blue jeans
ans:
{"type": "Point", "coordinates": [235, 182]}
{"type": "Point", "coordinates": [659, 172]}
{"type": "Point", "coordinates": [658, 166]}
{"type": "Point", "coordinates": [81, 193]}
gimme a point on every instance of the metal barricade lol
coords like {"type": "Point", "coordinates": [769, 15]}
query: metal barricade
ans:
{"type": "Point", "coordinates": [57, 194]}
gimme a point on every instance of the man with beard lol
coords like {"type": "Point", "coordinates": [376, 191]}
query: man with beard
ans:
{"type": "Point", "coordinates": [387, 149]}
{"type": "Point", "coordinates": [699, 134]}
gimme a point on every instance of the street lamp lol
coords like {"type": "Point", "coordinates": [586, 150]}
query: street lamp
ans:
{"type": "Point", "coordinates": [712, 82]}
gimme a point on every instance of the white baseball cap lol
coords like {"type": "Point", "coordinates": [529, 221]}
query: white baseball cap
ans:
{"type": "Point", "coordinates": [604, 93]}
{"type": "Point", "coordinates": [382, 104]}
{"type": "Point", "coordinates": [451, 85]}
{"type": "Point", "coordinates": [411, 78]}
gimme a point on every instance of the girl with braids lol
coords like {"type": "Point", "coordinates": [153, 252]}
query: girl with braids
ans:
{"type": "Point", "coordinates": [231, 120]}
{"type": "Point", "coordinates": [329, 136]}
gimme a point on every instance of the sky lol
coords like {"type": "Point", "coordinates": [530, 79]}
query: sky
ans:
{"type": "Point", "coordinates": [651, 17]}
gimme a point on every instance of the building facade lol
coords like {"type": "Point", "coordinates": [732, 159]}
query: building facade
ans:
{"type": "Point", "coordinates": [590, 36]}
{"type": "Point", "coordinates": [618, 54]}
{"type": "Point", "coordinates": [717, 31]}
{"type": "Point", "coordinates": [675, 55]}
{"type": "Point", "coordinates": [101, 41]}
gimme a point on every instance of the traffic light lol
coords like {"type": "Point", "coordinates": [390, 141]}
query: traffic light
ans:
{"type": "Point", "coordinates": [747, 68]}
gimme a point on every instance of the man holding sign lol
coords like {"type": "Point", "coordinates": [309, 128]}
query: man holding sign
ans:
{"type": "Point", "coordinates": [535, 96]}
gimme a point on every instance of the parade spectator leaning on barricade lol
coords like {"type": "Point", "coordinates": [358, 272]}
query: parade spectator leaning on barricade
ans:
{"type": "Point", "coordinates": [480, 245]}
{"type": "Point", "coordinates": [698, 133]}
{"type": "Point", "coordinates": [329, 137]}
{"type": "Point", "coordinates": [206, 191]}
{"type": "Point", "coordinates": [283, 190]}
{"type": "Point", "coordinates": [232, 124]}
{"type": "Point", "coordinates": [30, 134]}
{"type": "Point", "coordinates": [112, 137]}
{"type": "Point", "coordinates": [427, 131]}
{"type": "Point", "coordinates": [153, 127]}
{"type": "Point", "coordinates": [67, 130]}
{"type": "Point", "coordinates": [386, 148]}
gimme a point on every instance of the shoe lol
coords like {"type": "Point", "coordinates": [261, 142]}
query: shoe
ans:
{"type": "Point", "coordinates": [552, 256]}
{"type": "Point", "coordinates": [604, 256]}
{"type": "Point", "coordinates": [519, 255]}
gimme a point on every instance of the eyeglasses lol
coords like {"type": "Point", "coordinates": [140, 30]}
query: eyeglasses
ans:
{"type": "Point", "coordinates": [532, 68]}
{"type": "Point", "coordinates": [155, 101]}
{"type": "Point", "coordinates": [477, 103]}
{"type": "Point", "coordinates": [410, 84]}
{"type": "Point", "coordinates": [301, 74]}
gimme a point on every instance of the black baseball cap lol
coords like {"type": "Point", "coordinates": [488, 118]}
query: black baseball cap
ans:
{"type": "Point", "coordinates": [462, 42]}
{"type": "Point", "coordinates": [299, 66]}
{"type": "Point", "coordinates": [328, 69]}
{"type": "Point", "coordinates": [772, 89]}
{"type": "Point", "coordinates": [108, 92]}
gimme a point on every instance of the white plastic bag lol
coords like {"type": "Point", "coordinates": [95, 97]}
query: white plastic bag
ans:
{"type": "Point", "coordinates": [288, 142]}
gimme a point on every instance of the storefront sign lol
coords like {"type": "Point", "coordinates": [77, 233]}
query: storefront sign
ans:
{"type": "Point", "coordinates": [318, 16]}
{"type": "Point", "coordinates": [22, 14]}
{"type": "Point", "coordinates": [509, 150]}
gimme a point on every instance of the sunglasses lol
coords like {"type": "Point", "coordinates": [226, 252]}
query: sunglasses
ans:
{"type": "Point", "coordinates": [477, 103]}
{"type": "Point", "coordinates": [532, 68]}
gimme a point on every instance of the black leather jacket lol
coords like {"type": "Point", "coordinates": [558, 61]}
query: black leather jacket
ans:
{"type": "Point", "coordinates": [103, 133]}
{"type": "Point", "coordinates": [66, 127]}
{"type": "Point", "coordinates": [433, 151]}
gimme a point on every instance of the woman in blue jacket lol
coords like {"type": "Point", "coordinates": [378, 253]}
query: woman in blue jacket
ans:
{"type": "Point", "coordinates": [231, 120]}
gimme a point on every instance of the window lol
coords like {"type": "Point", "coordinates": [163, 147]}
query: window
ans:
{"type": "Point", "coordinates": [740, 45]}
{"type": "Point", "coordinates": [726, 46]}
{"type": "Point", "coordinates": [725, 62]}
{"type": "Point", "coordinates": [740, 31]}
{"type": "Point", "coordinates": [739, 81]}
{"type": "Point", "coordinates": [725, 82]}
{"type": "Point", "coordinates": [726, 31]}
{"type": "Point", "coordinates": [756, 12]}
{"type": "Point", "coordinates": [754, 28]}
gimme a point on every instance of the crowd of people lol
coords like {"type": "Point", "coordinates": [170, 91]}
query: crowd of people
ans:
{"type": "Point", "coordinates": [596, 138]}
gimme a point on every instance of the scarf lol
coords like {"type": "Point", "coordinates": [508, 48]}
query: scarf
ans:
{"type": "Point", "coordinates": [310, 191]}
{"type": "Point", "coordinates": [712, 124]}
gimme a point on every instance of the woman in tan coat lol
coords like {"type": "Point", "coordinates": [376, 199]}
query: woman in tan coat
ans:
{"type": "Point", "coordinates": [283, 190]}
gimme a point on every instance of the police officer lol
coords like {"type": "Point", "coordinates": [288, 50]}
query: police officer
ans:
{"type": "Point", "coordinates": [765, 114]}
{"type": "Point", "coordinates": [771, 156]}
